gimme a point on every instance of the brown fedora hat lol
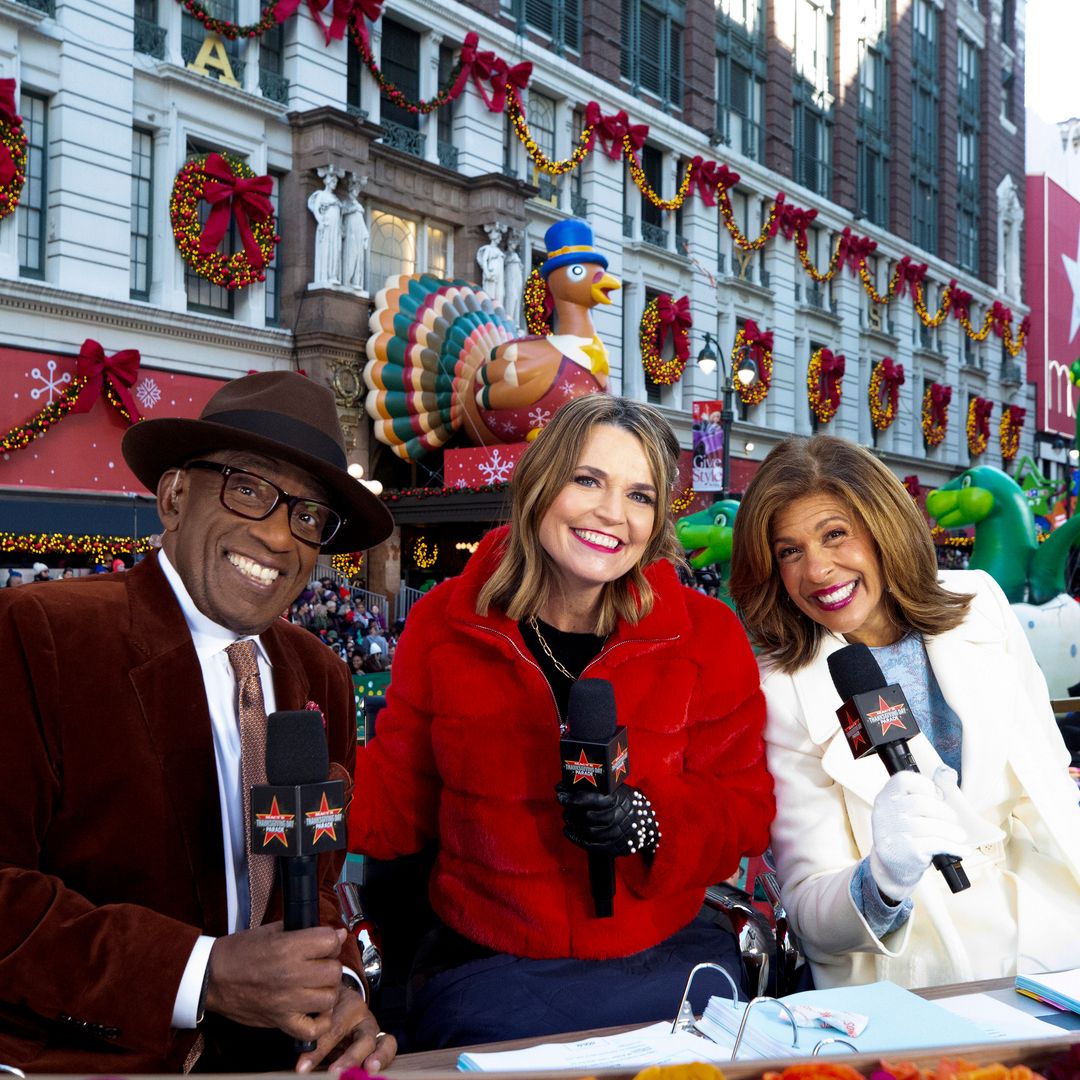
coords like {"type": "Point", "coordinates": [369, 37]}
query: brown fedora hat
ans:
{"type": "Point", "coordinates": [282, 414]}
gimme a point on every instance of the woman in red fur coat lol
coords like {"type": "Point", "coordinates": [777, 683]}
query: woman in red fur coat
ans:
{"type": "Point", "coordinates": [467, 752]}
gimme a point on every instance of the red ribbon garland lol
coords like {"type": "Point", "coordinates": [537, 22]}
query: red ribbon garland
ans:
{"type": "Point", "coordinates": [940, 396]}
{"type": "Point", "coordinates": [341, 14]}
{"type": "Point", "coordinates": [121, 369]}
{"type": "Point", "coordinates": [1000, 317]}
{"type": "Point", "coordinates": [727, 178]}
{"type": "Point", "coordinates": [909, 276]}
{"type": "Point", "coordinates": [486, 67]}
{"type": "Point", "coordinates": [705, 177]}
{"type": "Point", "coordinates": [779, 203]}
{"type": "Point", "coordinates": [608, 129]}
{"type": "Point", "coordinates": [960, 301]}
{"type": "Point", "coordinates": [674, 315]}
{"type": "Point", "coordinates": [245, 198]}
{"type": "Point", "coordinates": [853, 250]}
{"type": "Point", "coordinates": [637, 134]}
{"type": "Point", "coordinates": [794, 220]}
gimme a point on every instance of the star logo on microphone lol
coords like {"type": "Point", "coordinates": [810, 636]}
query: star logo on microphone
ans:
{"type": "Point", "coordinates": [620, 762]}
{"type": "Point", "coordinates": [888, 715]}
{"type": "Point", "coordinates": [324, 820]}
{"type": "Point", "coordinates": [583, 768]}
{"type": "Point", "coordinates": [853, 729]}
{"type": "Point", "coordinates": [274, 824]}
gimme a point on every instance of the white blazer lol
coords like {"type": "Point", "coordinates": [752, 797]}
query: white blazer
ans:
{"type": "Point", "coordinates": [1024, 904]}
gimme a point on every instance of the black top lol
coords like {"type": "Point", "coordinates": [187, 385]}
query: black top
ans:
{"type": "Point", "coordinates": [573, 651]}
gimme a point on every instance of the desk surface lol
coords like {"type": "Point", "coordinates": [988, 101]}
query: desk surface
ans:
{"type": "Point", "coordinates": [436, 1064]}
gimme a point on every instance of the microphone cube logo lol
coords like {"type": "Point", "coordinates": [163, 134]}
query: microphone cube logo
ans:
{"type": "Point", "coordinates": [302, 819]}
{"type": "Point", "coordinates": [582, 768]}
{"type": "Point", "coordinates": [852, 726]}
{"type": "Point", "coordinates": [323, 807]}
{"type": "Point", "coordinates": [602, 764]}
{"type": "Point", "coordinates": [270, 825]}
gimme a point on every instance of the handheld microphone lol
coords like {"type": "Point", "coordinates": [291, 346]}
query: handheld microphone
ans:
{"type": "Point", "coordinates": [298, 814]}
{"type": "Point", "coordinates": [595, 752]}
{"type": "Point", "coordinates": [876, 719]}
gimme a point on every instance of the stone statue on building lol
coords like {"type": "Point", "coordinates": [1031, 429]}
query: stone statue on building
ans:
{"type": "Point", "coordinates": [491, 259]}
{"type": "Point", "coordinates": [354, 251]}
{"type": "Point", "coordinates": [326, 207]}
{"type": "Point", "coordinates": [513, 277]}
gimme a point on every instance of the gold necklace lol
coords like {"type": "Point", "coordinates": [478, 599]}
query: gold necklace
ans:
{"type": "Point", "coordinates": [547, 650]}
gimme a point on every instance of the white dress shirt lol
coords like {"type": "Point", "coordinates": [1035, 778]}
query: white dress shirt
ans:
{"type": "Point", "coordinates": [222, 698]}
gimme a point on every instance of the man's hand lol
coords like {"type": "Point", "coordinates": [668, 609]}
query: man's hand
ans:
{"type": "Point", "coordinates": [355, 1034]}
{"type": "Point", "coordinates": [269, 978]}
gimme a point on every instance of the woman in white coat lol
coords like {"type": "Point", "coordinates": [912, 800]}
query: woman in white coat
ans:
{"type": "Point", "coordinates": [830, 549]}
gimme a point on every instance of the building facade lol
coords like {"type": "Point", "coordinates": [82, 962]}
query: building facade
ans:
{"type": "Point", "coordinates": [899, 119]}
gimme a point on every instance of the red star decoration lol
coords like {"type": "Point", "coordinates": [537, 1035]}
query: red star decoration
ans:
{"type": "Point", "coordinates": [893, 720]}
{"type": "Point", "coordinates": [267, 821]}
{"type": "Point", "coordinates": [325, 810]}
{"type": "Point", "coordinates": [853, 725]}
{"type": "Point", "coordinates": [586, 773]}
{"type": "Point", "coordinates": [622, 756]}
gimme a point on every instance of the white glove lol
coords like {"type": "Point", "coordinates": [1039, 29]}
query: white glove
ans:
{"type": "Point", "coordinates": [911, 822]}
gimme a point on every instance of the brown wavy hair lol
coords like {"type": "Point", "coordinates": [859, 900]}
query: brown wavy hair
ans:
{"type": "Point", "coordinates": [865, 486]}
{"type": "Point", "coordinates": [526, 576]}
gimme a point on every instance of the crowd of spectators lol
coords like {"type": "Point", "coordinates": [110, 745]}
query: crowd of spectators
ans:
{"type": "Point", "coordinates": [358, 633]}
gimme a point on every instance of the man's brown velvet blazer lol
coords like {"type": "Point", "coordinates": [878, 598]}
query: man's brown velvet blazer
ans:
{"type": "Point", "coordinates": [111, 857]}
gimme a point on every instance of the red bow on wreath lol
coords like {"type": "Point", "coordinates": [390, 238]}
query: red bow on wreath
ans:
{"type": "Point", "coordinates": [892, 374]}
{"type": "Point", "coordinates": [12, 119]}
{"type": "Point", "coordinates": [960, 301]}
{"type": "Point", "coordinates": [121, 369]}
{"type": "Point", "coordinates": [832, 371]}
{"type": "Point", "coordinates": [940, 396]}
{"type": "Point", "coordinates": [909, 276]}
{"type": "Point", "coordinates": [794, 220]}
{"type": "Point", "coordinates": [1000, 317]}
{"type": "Point", "coordinates": [1016, 415]}
{"type": "Point", "coordinates": [852, 251]}
{"type": "Point", "coordinates": [1025, 326]}
{"type": "Point", "coordinates": [758, 340]}
{"type": "Point", "coordinates": [674, 316]}
{"type": "Point", "coordinates": [608, 129]}
{"type": "Point", "coordinates": [983, 408]}
{"type": "Point", "coordinates": [244, 198]}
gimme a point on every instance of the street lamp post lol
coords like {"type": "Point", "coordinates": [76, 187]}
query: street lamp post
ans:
{"type": "Point", "coordinates": [746, 373]}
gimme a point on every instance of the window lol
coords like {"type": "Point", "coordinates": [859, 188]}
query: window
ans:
{"type": "Point", "coordinates": [400, 62]}
{"type": "Point", "coordinates": [578, 205]}
{"type": "Point", "coordinates": [203, 295]}
{"type": "Point", "coordinates": [542, 125]}
{"type": "Point", "coordinates": [740, 76]}
{"type": "Point", "coordinates": [813, 98]}
{"type": "Point", "coordinates": [652, 48]}
{"type": "Point", "coordinates": [967, 155]}
{"type": "Point", "coordinates": [273, 278]}
{"type": "Point", "coordinates": [1008, 95]}
{"type": "Point", "coordinates": [142, 196]}
{"type": "Point", "coordinates": [557, 20]}
{"type": "Point", "coordinates": [35, 193]}
{"type": "Point", "coordinates": [354, 71]}
{"type": "Point", "coordinates": [652, 217]}
{"type": "Point", "coordinates": [272, 82]}
{"type": "Point", "coordinates": [872, 152]}
{"type": "Point", "coordinates": [925, 92]}
{"type": "Point", "coordinates": [193, 34]}
{"type": "Point", "coordinates": [448, 154]}
{"type": "Point", "coordinates": [149, 38]}
{"type": "Point", "coordinates": [401, 245]}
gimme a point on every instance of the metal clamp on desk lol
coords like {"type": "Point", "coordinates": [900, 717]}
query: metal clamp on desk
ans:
{"type": "Point", "coordinates": [684, 1018]}
{"type": "Point", "coordinates": [746, 1015]}
{"type": "Point", "coordinates": [826, 1042]}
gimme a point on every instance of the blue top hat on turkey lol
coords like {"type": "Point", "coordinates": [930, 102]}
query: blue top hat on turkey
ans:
{"type": "Point", "coordinates": [570, 241]}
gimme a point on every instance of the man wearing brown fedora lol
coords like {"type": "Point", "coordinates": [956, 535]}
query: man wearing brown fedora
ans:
{"type": "Point", "coordinates": [137, 934]}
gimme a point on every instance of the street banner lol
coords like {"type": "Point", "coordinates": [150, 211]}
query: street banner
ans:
{"type": "Point", "coordinates": [708, 445]}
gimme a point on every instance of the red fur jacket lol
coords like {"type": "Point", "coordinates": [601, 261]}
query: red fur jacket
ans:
{"type": "Point", "coordinates": [467, 751]}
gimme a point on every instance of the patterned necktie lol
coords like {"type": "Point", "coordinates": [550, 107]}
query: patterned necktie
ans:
{"type": "Point", "coordinates": [252, 767]}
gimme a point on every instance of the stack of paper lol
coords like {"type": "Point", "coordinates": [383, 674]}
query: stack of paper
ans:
{"type": "Point", "coordinates": [1058, 988]}
{"type": "Point", "coordinates": [899, 1020]}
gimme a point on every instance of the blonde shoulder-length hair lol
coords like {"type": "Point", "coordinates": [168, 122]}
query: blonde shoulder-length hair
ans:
{"type": "Point", "coordinates": [824, 465]}
{"type": "Point", "coordinates": [526, 576]}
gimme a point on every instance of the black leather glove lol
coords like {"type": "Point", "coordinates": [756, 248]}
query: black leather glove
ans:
{"type": "Point", "coordinates": [622, 823]}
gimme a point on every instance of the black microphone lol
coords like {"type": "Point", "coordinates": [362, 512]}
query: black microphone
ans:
{"type": "Point", "coordinates": [876, 719]}
{"type": "Point", "coordinates": [595, 752]}
{"type": "Point", "coordinates": [298, 814]}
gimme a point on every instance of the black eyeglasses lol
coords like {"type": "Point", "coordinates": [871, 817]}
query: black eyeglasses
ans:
{"type": "Point", "coordinates": [256, 498]}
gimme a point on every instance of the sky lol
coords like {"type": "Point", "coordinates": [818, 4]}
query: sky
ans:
{"type": "Point", "coordinates": [1052, 85]}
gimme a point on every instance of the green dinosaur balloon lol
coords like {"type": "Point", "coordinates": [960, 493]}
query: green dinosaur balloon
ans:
{"type": "Point", "coordinates": [1006, 546]}
{"type": "Point", "coordinates": [706, 539]}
